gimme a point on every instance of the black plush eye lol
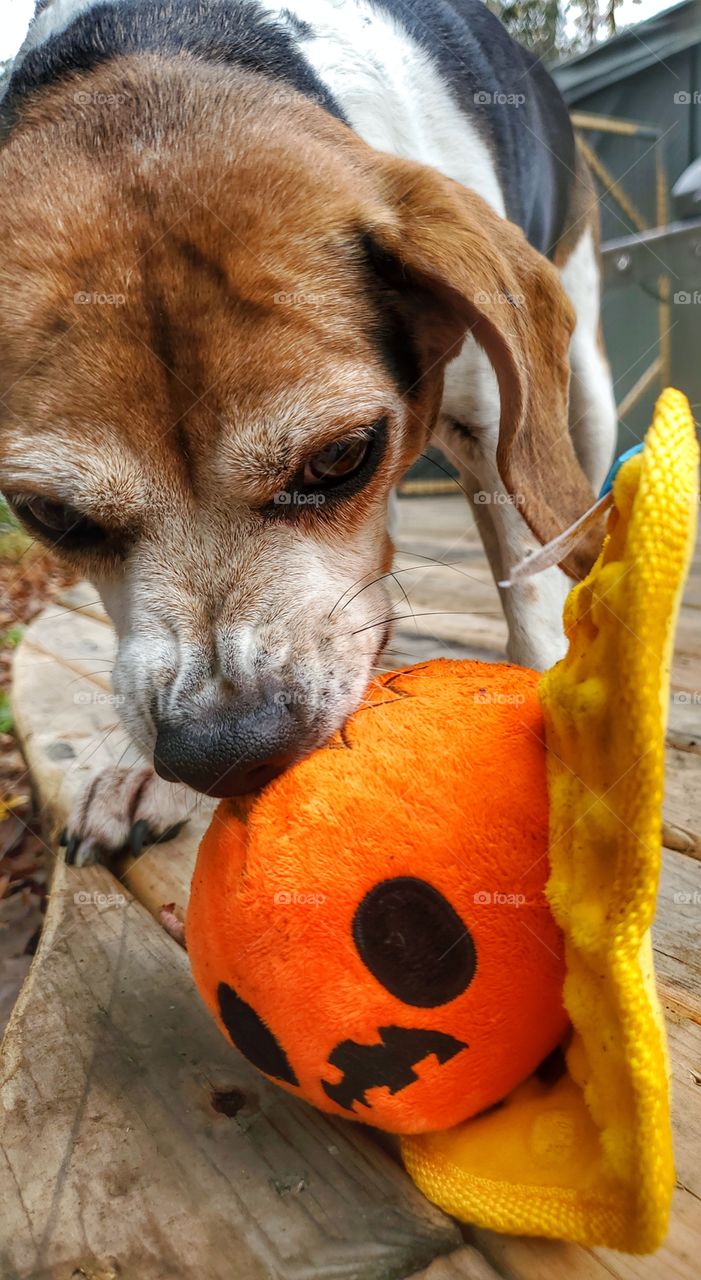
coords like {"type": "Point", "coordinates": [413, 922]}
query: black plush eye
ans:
{"type": "Point", "coordinates": [337, 461]}
{"type": "Point", "coordinates": [58, 522]}
{"type": "Point", "coordinates": [414, 942]}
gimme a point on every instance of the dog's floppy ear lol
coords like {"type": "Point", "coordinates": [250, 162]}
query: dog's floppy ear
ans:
{"type": "Point", "coordinates": [472, 271]}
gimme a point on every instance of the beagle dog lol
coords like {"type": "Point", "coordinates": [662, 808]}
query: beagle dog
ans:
{"type": "Point", "coordinates": [253, 259]}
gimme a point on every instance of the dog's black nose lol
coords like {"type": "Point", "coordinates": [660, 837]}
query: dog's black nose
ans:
{"type": "Point", "coordinates": [229, 751]}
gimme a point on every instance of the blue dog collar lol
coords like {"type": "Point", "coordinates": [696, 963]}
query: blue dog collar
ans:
{"type": "Point", "coordinates": [608, 482]}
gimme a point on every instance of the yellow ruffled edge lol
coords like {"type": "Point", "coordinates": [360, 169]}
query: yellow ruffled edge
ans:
{"type": "Point", "coordinates": [605, 708]}
{"type": "Point", "coordinates": [520, 1209]}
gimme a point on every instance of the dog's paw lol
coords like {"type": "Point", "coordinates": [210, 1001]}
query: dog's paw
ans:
{"type": "Point", "coordinates": [121, 810]}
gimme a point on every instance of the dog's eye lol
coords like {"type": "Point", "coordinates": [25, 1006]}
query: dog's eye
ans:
{"type": "Point", "coordinates": [337, 461]}
{"type": "Point", "coordinates": [59, 517]}
{"type": "Point", "coordinates": [58, 522]}
{"type": "Point", "coordinates": [332, 474]}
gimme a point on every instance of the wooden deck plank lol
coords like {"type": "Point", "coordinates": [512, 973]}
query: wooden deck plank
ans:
{"type": "Point", "coordinates": [116, 1149]}
{"type": "Point", "coordinates": [676, 933]}
{"type": "Point", "coordinates": [682, 802]}
{"type": "Point", "coordinates": [466, 1264]}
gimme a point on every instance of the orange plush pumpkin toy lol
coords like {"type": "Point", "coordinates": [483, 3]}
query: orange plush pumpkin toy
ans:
{"type": "Point", "coordinates": [371, 931]}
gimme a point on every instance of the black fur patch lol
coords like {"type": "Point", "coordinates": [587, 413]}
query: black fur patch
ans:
{"type": "Point", "coordinates": [389, 310]}
{"type": "Point", "coordinates": [414, 942]}
{"type": "Point", "coordinates": [300, 27]}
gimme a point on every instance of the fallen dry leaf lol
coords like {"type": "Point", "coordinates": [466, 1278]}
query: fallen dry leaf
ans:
{"type": "Point", "coordinates": [26, 862]}
{"type": "Point", "coordinates": [12, 831]}
{"type": "Point", "coordinates": [172, 923]}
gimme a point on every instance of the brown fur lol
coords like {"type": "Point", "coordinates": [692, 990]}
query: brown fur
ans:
{"type": "Point", "coordinates": [485, 279]}
{"type": "Point", "coordinates": [200, 252]}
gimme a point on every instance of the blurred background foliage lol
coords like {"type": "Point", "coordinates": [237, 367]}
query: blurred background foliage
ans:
{"type": "Point", "coordinates": [557, 29]}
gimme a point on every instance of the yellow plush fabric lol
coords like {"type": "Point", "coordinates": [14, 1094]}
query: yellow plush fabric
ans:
{"type": "Point", "coordinates": [588, 1158]}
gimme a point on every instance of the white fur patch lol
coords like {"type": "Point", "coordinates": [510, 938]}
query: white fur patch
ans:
{"type": "Point", "coordinates": [581, 279]}
{"type": "Point", "coordinates": [54, 19]}
{"type": "Point", "coordinates": [471, 392]}
{"type": "Point", "coordinates": [391, 91]}
{"type": "Point", "coordinates": [593, 417]}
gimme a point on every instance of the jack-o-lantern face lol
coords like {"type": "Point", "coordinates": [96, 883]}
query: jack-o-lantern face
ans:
{"type": "Point", "coordinates": [374, 935]}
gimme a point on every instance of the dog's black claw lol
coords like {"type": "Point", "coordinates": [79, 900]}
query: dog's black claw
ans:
{"type": "Point", "coordinates": [169, 834]}
{"type": "Point", "coordinates": [63, 838]}
{"type": "Point", "coordinates": [139, 836]}
{"type": "Point", "coordinates": [71, 849]}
